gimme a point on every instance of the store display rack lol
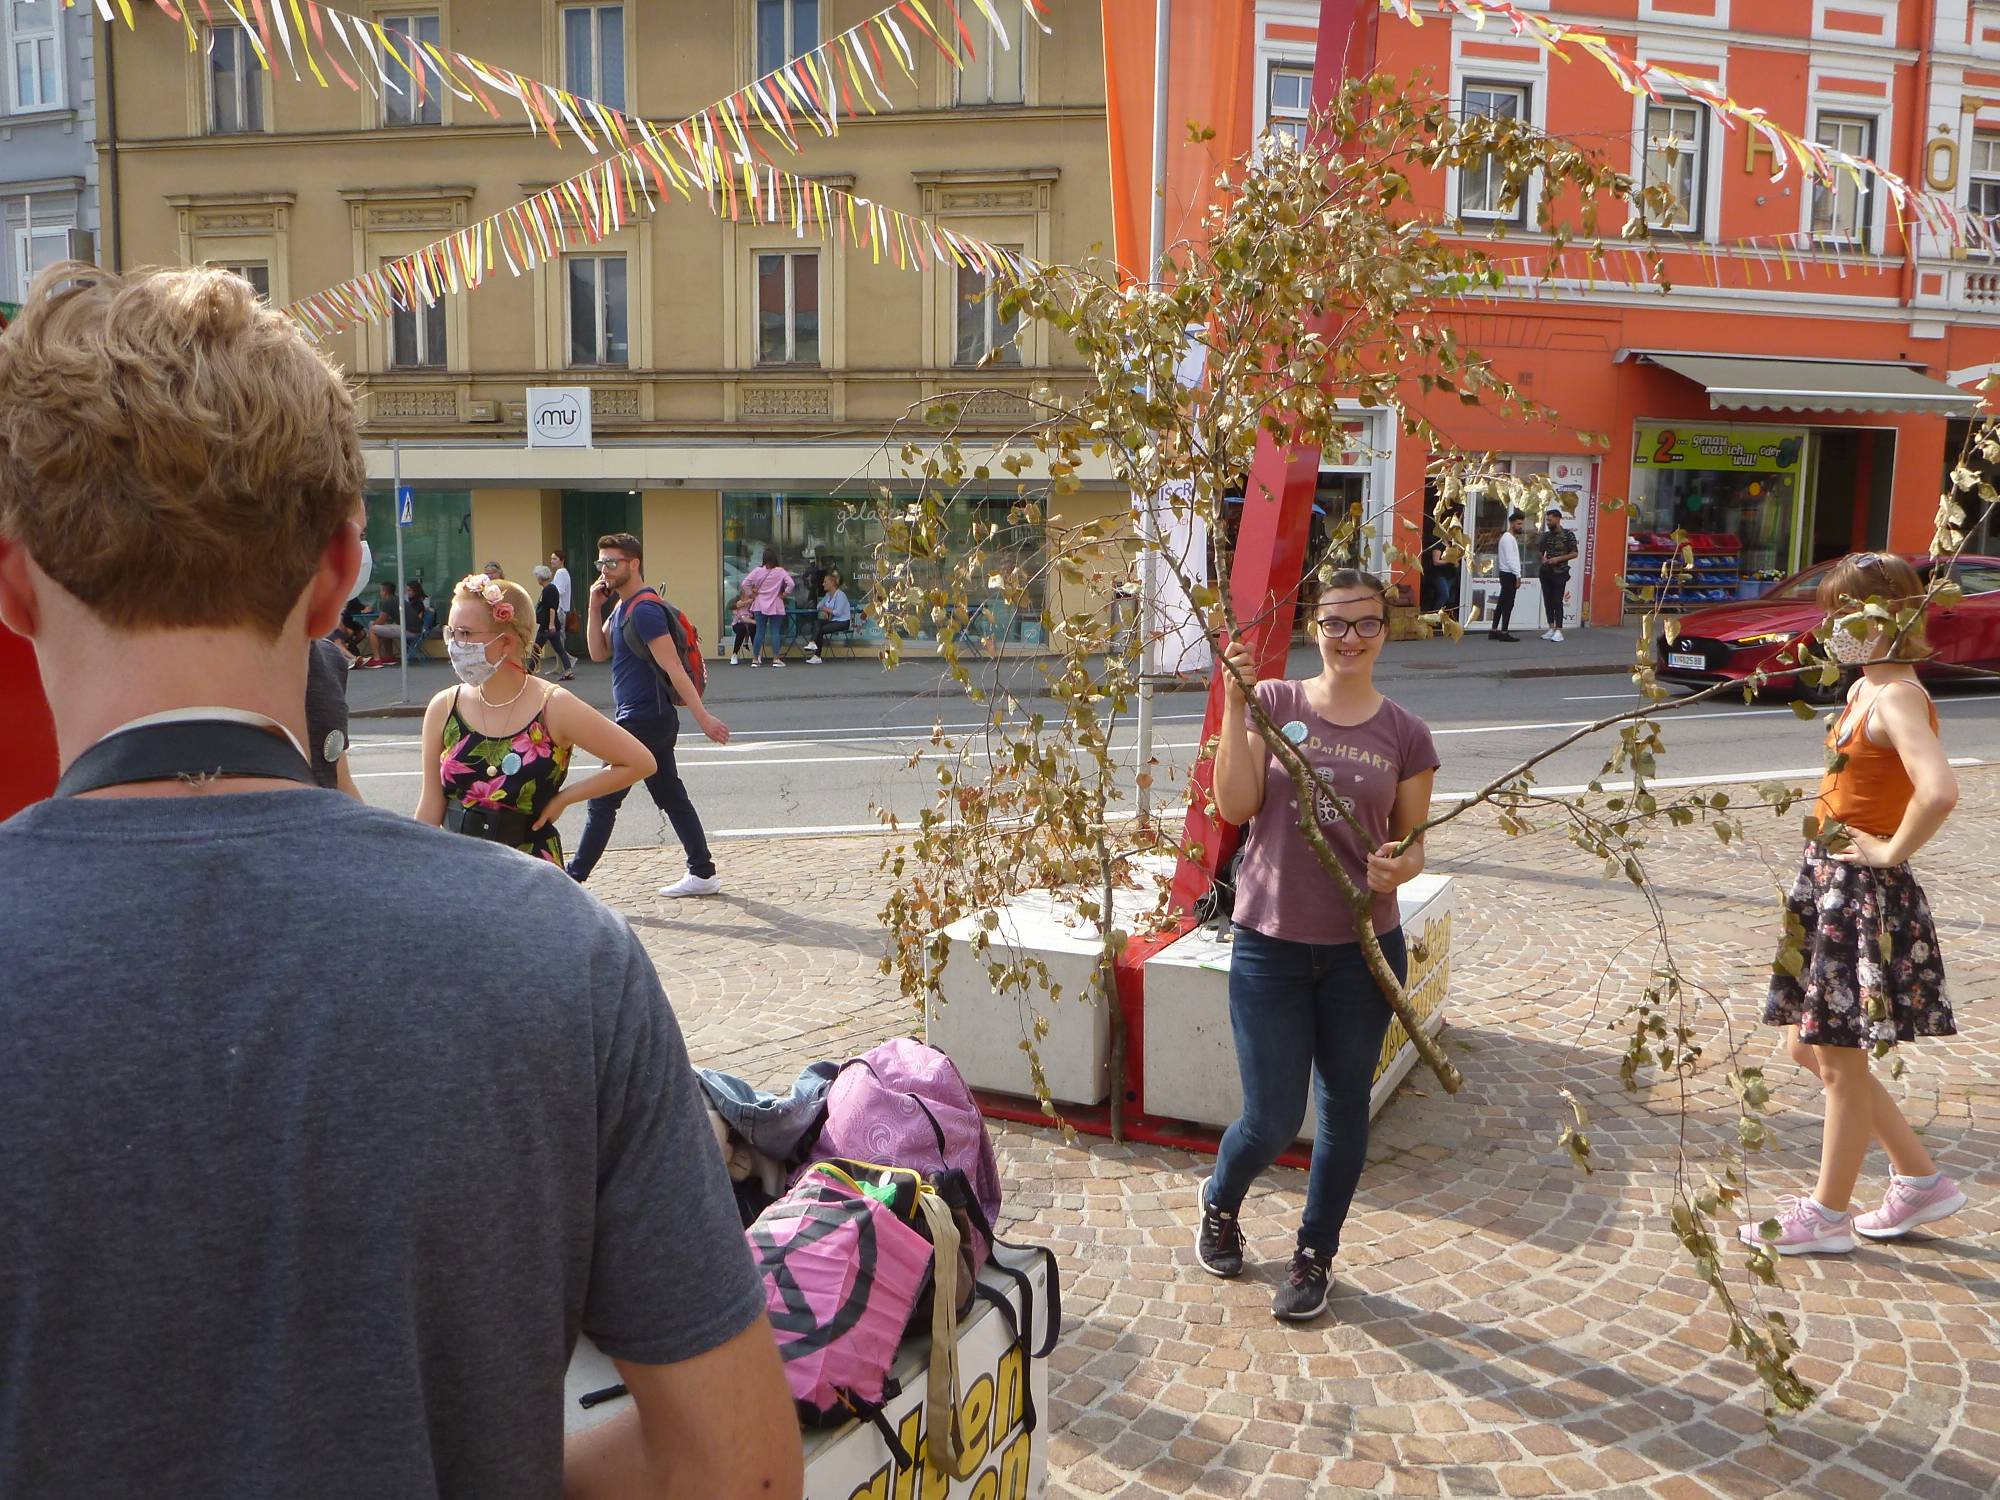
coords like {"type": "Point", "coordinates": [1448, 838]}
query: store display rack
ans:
{"type": "Point", "coordinates": [1716, 575]}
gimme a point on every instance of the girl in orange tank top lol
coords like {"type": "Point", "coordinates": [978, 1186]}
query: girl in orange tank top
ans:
{"type": "Point", "coordinates": [1859, 970]}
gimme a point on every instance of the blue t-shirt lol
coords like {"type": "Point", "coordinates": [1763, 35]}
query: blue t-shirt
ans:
{"type": "Point", "coordinates": [635, 683]}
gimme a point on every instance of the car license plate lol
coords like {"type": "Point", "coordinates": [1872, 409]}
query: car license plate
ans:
{"type": "Point", "coordinates": [1693, 661]}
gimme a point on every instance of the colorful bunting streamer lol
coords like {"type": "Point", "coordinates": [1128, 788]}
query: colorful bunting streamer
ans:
{"type": "Point", "coordinates": [1794, 253]}
{"type": "Point", "coordinates": [1821, 164]}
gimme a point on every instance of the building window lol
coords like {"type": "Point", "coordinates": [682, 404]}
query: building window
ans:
{"type": "Point", "coordinates": [416, 337]}
{"type": "Point", "coordinates": [400, 104]}
{"type": "Point", "coordinates": [597, 316]}
{"type": "Point", "coordinates": [1287, 102]}
{"type": "Point", "coordinates": [993, 74]}
{"type": "Point", "coordinates": [1676, 151]}
{"type": "Point", "coordinates": [1982, 192]}
{"type": "Point", "coordinates": [235, 84]}
{"type": "Point", "coordinates": [1482, 184]}
{"type": "Point", "coordinates": [1840, 212]}
{"type": "Point", "coordinates": [594, 52]}
{"type": "Point", "coordinates": [36, 67]}
{"type": "Point", "coordinates": [256, 272]}
{"type": "Point", "coordinates": [35, 250]}
{"type": "Point", "coordinates": [785, 29]}
{"type": "Point", "coordinates": [982, 329]}
{"type": "Point", "coordinates": [788, 308]}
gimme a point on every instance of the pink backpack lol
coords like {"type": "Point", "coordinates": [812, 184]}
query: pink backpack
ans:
{"type": "Point", "coordinates": [905, 1105]}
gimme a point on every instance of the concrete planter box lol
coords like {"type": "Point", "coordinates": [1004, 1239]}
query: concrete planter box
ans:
{"type": "Point", "coordinates": [1190, 1052]}
{"type": "Point", "coordinates": [981, 1031]}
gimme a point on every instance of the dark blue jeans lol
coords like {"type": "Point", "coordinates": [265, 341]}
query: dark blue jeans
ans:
{"type": "Point", "coordinates": [1295, 1007]}
{"type": "Point", "coordinates": [669, 792]}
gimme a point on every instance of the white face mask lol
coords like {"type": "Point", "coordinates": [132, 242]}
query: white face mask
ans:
{"type": "Point", "coordinates": [469, 661]}
{"type": "Point", "coordinates": [1849, 650]}
{"type": "Point", "coordinates": [367, 567]}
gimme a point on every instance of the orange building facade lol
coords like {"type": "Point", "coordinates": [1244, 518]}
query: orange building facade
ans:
{"type": "Point", "coordinates": [1797, 393]}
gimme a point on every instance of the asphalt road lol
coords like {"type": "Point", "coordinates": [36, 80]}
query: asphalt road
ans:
{"type": "Point", "coordinates": [819, 750]}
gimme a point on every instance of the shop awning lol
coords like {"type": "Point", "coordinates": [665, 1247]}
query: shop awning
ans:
{"type": "Point", "coordinates": [1742, 383]}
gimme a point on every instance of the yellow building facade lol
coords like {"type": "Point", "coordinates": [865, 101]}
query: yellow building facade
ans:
{"type": "Point", "coordinates": [741, 378]}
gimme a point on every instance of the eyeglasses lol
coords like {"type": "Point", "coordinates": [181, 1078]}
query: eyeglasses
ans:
{"type": "Point", "coordinates": [458, 635]}
{"type": "Point", "coordinates": [1337, 627]}
{"type": "Point", "coordinates": [606, 564]}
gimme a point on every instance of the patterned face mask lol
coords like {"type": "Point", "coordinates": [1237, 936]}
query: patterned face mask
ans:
{"type": "Point", "coordinates": [1847, 649]}
{"type": "Point", "coordinates": [468, 660]}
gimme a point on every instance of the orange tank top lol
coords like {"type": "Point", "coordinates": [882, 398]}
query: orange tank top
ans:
{"type": "Point", "coordinates": [1871, 791]}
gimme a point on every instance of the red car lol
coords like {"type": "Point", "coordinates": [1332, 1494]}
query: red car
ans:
{"type": "Point", "coordinates": [1730, 641]}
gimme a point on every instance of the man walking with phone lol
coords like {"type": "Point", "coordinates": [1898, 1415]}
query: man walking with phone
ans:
{"type": "Point", "coordinates": [628, 624]}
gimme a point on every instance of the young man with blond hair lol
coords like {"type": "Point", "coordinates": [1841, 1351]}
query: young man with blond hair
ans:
{"type": "Point", "coordinates": [282, 1213]}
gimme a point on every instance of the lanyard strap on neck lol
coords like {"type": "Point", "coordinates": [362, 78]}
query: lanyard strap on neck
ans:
{"type": "Point", "coordinates": [180, 750]}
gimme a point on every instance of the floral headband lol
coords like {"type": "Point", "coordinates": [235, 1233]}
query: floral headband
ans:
{"type": "Point", "coordinates": [479, 586]}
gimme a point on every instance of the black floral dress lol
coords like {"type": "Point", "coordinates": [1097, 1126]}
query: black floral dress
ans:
{"type": "Point", "coordinates": [522, 771]}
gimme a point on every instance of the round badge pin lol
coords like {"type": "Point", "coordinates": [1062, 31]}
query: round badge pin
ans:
{"type": "Point", "coordinates": [1295, 731]}
{"type": "Point", "coordinates": [510, 764]}
{"type": "Point", "coordinates": [333, 747]}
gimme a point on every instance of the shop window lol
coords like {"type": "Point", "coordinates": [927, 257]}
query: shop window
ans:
{"type": "Point", "coordinates": [35, 250]}
{"type": "Point", "coordinates": [597, 311]}
{"type": "Point", "coordinates": [1982, 192]}
{"type": "Point", "coordinates": [983, 329]}
{"type": "Point", "coordinates": [437, 544]}
{"type": "Point", "coordinates": [235, 83]}
{"type": "Point", "coordinates": [788, 308]}
{"type": "Point", "coordinates": [401, 104]}
{"type": "Point", "coordinates": [1677, 160]}
{"type": "Point", "coordinates": [993, 74]}
{"type": "Point", "coordinates": [416, 337]}
{"type": "Point", "coordinates": [1841, 210]}
{"type": "Point", "coordinates": [785, 30]}
{"type": "Point", "coordinates": [256, 272]}
{"type": "Point", "coordinates": [34, 45]}
{"type": "Point", "coordinates": [1482, 184]}
{"type": "Point", "coordinates": [1287, 103]}
{"type": "Point", "coordinates": [594, 52]}
{"type": "Point", "coordinates": [1721, 482]}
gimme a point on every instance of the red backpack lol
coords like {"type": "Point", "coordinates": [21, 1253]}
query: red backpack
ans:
{"type": "Point", "coordinates": [687, 641]}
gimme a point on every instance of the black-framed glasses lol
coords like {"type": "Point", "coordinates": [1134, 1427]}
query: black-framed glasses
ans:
{"type": "Point", "coordinates": [1338, 626]}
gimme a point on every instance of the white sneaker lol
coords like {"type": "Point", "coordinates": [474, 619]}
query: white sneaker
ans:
{"type": "Point", "coordinates": [732, 661]}
{"type": "Point", "coordinates": [1548, 635]}
{"type": "Point", "coordinates": [812, 661]}
{"type": "Point", "coordinates": [777, 661]}
{"type": "Point", "coordinates": [1556, 637]}
{"type": "Point", "coordinates": [693, 885]}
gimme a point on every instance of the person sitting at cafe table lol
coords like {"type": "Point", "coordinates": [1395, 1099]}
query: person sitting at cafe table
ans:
{"type": "Point", "coordinates": [835, 616]}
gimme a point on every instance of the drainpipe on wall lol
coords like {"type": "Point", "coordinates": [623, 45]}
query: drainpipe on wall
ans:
{"type": "Point", "coordinates": [1913, 167]}
{"type": "Point", "coordinates": [116, 259]}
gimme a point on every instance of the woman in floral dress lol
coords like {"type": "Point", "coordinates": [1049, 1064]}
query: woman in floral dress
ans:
{"type": "Point", "coordinates": [501, 741]}
{"type": "Point", "coordinates": [1859, 970]}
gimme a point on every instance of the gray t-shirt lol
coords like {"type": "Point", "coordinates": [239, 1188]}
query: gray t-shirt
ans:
{"type": "Point", "coordinates": [294, 1205]}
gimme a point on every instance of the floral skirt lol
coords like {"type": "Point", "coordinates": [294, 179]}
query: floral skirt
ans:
{"type": "Point", "coordinates": [1866, 955]}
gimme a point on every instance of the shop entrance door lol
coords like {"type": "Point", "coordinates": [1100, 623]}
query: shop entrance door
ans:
{"type": "Point", "coordinates": [1480, 583]}
{"type": "Point", "coordinates": [586, 516]}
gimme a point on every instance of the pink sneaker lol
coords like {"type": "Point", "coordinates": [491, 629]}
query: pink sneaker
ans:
{"type": "Point", "coordinates": [1804, 1230]}
{"type": "Point", "coordinates": [1908, 1205]}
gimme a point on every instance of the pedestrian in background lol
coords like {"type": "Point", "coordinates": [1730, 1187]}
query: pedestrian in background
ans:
{"type": "Point", "coordinates": [492, 571]}
{"type": "Point", "coordinates": [495, 766]}
{"type": "Point", "coordinates": [743, 626]}
{"type": "Point", "coordinates": [288, 1213]}
{"type": "Point", "coordinates": [629, 627]}
{"type": "Point", "coordinates": [559, 568]}
{"type": "Point", "coordinates": [769, 586]}
{"type": "Point", "coordinates": [1507, 568]}
{"type": "Point", "coordinates": [1871, 975]}
{"type": "Point", "coordinates": [1300, 994]}
{"type": "Point", "coordinates": [834, 616]}
{"type": "Point", "coordinates": [549, 615]}
{"type": "Point", "coordinates": [1557, 546]}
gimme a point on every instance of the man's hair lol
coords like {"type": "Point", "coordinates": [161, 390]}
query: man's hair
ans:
{"type": "Point", "coordinates": [1861, 576]}
{"type": "Point", "coordinates": [621, 541]}
{"type": "Point", "coordinates": [171, 448]}
{"type": "Point", "coordinates": [387, 587]}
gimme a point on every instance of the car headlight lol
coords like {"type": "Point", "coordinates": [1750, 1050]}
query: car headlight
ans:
{"type": "Point", "coordinates": [1772, 638]}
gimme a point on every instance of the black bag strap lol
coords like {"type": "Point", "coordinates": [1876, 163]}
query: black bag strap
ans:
{"type": "Point", "coordinates": [871, 1412]}
{"type": "Point", "coordinates": [1021, 1279]}
{"type": "Point", "coordinates": [184, 748]}
{"type": "Point", "coordinates": [987, 1293]}
{"type": "Point", "coordinates": [636, 643]}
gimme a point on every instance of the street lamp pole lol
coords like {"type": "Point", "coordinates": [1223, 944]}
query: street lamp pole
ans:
{"type": "Point", "coordinates": [1149, 526]}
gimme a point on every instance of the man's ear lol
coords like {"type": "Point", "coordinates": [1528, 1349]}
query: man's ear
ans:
{"type": "Point", "coordinates": [19, 609]}
{"type": "Point", "coordinates": [333, 580]}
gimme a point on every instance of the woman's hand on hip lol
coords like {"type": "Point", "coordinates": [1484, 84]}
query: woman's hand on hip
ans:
{"type": "Point", "coordinates": [560, 803]}
{"type": "Point", "coordinates": [1866, 849]}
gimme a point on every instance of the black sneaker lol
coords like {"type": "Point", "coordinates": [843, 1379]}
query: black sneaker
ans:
{"type": "Point", "coordinates": [1303, 1296]}
{"type": "Point", "coordinates": [1219, 1244]}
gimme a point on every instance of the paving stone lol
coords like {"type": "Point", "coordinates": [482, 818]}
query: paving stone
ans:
{"type": "Point", "coordinates": [1496, 1314]}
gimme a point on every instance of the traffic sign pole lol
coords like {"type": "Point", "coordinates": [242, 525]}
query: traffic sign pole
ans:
{"type": "Point", "coordinates": [402, 594]}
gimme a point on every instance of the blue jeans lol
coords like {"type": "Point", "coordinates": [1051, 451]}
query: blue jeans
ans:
{"type": "Point", "coordinates": [771, 634]}
{"type": "Point", "coordinates": [1294, 1007]}
{"type": "Point", "coordinates": [670, 794]}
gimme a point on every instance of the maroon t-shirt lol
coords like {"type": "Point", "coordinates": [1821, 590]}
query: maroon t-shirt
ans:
{"type": "Point", "coordinates": [1281, 891]}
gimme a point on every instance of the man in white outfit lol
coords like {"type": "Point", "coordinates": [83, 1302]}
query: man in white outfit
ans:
{"type": "Point", "coordinates": [1508, 566]}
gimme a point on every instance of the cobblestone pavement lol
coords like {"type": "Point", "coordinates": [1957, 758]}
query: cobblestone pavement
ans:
{"type": "Point", "coordinates": [1501, 1324]}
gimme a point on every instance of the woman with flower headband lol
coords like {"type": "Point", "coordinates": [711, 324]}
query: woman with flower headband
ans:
{"type": "Point", "coordinates": [503, 751]}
